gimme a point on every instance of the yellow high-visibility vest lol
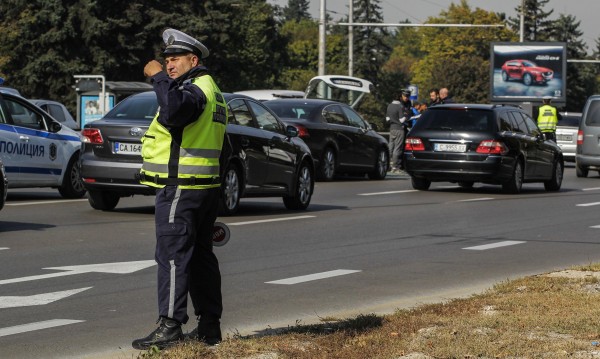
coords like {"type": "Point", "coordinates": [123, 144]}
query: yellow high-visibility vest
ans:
{"type": "Point", "coordinates": [547, 119]}
{"type": "Point", "coordinates": [200, 149]}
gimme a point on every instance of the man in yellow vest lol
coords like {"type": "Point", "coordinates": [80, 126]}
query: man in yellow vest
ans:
{"type": "Point", "coordinates": [181, 152]}
{"type": "Point", "coordinates": [547, 119]}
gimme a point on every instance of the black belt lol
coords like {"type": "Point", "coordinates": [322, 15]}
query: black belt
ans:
{"type": "Point", "coordinates": [192, 181]}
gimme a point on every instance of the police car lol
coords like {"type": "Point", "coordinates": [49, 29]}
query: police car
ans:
{"type": "Point", "coordinates": [37, 151]}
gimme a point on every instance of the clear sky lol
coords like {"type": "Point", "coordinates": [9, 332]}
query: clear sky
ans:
{"type": "Point", "coordinates": [417, 11]}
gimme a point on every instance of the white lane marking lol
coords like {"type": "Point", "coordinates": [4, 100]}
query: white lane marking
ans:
{"type": "Point", "coordinates": [598, 226]}
{"type": "Point", "coordinates": [3, 248]}
{"type": "Point", "coordinates": [476, 199]}
{"type": "Point", "coordinates": [316, 276]}
{"type": "Point", "coordinates": [591, 189]}
{"type": "Point", "coordinates": [37, 299]}
{"type": "Point", "coordinates": [45, 202]}
{"type": "Point", "coordinates": [588, 204]}
{"type": "Point", "coordinates": [388, 192]}
{"type": "Point", "coordinates": [494, 245]}
{"type": "Point", "coordinates": [269, 220]}
{"type": "Point", "coordinates": [114, 268]}
{"type": "Point", "coordinates": [24, 328]}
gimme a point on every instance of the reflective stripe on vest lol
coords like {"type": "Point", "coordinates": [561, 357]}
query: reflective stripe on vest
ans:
{"type": "Point", "coordinates": [200, 147]}
{"type": "Point", "coordinates": [547, 119]}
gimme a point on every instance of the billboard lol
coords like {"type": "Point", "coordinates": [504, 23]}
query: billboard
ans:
{"type": "Point", "coordinates": [91, 108]}
{"type": "Point", "coordinates": [528, 71]}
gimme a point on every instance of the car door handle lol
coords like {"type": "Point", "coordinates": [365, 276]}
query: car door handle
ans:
{"type": "Point", "coordinates": [24, 138]}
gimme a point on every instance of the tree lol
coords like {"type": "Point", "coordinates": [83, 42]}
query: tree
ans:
{"type": "Point", "coordinates": [296, 10]}
{"type": "Point", "coordinates": [371, 50]}
{"type": "Point", "coordinates": [536, 22]}
{"type": "Point", "coordinates": [581, 81]}
{"type": "Point", "coordinates": [46, 42]}
{"type": "Point", "coordinates": [458, 58]}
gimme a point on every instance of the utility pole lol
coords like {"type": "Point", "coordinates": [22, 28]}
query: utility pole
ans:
{"type": "Point", "coordinates": [322, 46]}
{"type": "Point", "coordinates": [522, 27]}
{"type": "Point", "coordinates": [351, 39]}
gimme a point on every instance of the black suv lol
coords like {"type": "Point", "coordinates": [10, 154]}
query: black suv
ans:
{"type": "Point", "coordinates": [495, 144]}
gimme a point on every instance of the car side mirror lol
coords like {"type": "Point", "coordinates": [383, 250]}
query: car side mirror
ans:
{"type": "Point", "coordinates": [54, 127]}
{"type": "Point", "coordinates": [291, 131]}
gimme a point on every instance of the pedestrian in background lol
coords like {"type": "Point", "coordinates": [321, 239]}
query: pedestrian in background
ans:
{"type": "Point", "coordinates": [397, 114]}
{"type": "Point", "coordinates": [434, 97]}
{"type": "Point", "coordinates": [181, 152]}
{"type": "Point", "coordinates": [445, 96]}
{"type": "Point", "coordinates": [547, 119]}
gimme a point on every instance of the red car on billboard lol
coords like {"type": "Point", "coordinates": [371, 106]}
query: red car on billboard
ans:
{"type": "Point", "coordinates": [526, 71]}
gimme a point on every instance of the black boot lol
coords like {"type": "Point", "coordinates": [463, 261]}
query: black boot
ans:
{"type": "Point", "coordinates": [169, 332]}
{"type": "Point", "coordinates": [207, 331]}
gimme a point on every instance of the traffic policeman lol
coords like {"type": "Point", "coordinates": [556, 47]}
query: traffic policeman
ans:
{"type": "Point", "coordinates": [547, 119]}
{"type": "Point", "coordinates": [181, 152]}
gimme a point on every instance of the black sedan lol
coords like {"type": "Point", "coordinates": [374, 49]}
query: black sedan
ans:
{"type": "Point", "coordinates": [496, 144]}
{"type": "Point", "coordinates": [340, 140]}
{"type": "Point", "coordinates": [261, 157]}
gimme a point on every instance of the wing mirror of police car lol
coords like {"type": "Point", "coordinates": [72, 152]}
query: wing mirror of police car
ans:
{"type": "Point", "coordinates": [54, 126]}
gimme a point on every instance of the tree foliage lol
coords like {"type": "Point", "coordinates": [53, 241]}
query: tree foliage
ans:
{"type": "Point", "coordinates": [46, 42]}
{"type": "Point", "coordinates": [458, 58]}
{"type": "Point", "coordinates": [536, 21]}
{"type": "Point", "coordinates": [296, 10]}
{"type": "Point", "coordinates": [256, 45]}
{"type": "Point", "coordinates": [581, 78]}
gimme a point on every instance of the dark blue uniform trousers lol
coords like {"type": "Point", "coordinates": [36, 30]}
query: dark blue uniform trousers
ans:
{"type": "Point", "coordinates": [184, 252]}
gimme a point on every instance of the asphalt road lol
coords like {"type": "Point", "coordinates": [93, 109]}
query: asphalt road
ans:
{"type": "Point", "coordinates": [362, 247]}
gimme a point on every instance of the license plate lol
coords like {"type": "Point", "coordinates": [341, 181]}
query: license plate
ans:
{"type": "Point", "coordinates": [449, 147]}
{"type": "Point", "coordinates": [564, 137]}
{"type": "Point", "coordinates": [128, 148]}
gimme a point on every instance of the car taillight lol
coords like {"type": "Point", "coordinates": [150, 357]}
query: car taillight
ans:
{"type": "Point", "coordinates": [302, 131]}
{"type": "Point", "coordinates": [92, 135]}
{"type": "Point", "coordinates": [414, 144]}
{"type": "Point", "coordinates": [580, 137]}
{"type": "Point", "coordinates": [492, 147]}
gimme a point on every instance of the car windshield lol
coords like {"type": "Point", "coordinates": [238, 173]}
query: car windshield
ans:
{"type": "Point", "coordinates": [529, 64]}
{"type": "Point", "coordinates": [298, 110]}
{"type": "Point", "coordinates": [459, 119]}
{"type": "Point", "coordinates": [569, 121]}
{"type": "Point", "coordinates": [135, 108]}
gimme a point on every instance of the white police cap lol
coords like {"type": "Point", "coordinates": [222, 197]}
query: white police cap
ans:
{"type": "Point", "coordinates": [547, 98]}
{"type": "Point", "coordinates": [178, 42]}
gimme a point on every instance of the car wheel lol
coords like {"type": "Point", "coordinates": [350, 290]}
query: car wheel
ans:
{"type": "Point", "coordinates": [327, 165]}
{"type": "Point", "coordinates": [231, 191]}
{"type": "Point", "coordinates": [103, 200]}
{"type": "Point", "coordinates": [304, 188]}
{"type": "Point", "coordinates": [466, 184]}
{"type": "Point", "coordinates": [72, 185]}
{"type": "Point", "coordinates": [516, 182]}
{"type": "Point", "coordinates": [581, 171]}
{"type": "Point", "coordinates": [557, 176]}
{"type": "Point", "coordinates": [527, 79]}
{"type": "Point", "coordinates": [381, 165]}
{"type": "Point", "coordinates": [504, 76]}
{"type": "Point", "coordinates": [422, 184]}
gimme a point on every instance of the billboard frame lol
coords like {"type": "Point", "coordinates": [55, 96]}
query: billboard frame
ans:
{"type": "Point", "coordinates": [551, 55]}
